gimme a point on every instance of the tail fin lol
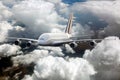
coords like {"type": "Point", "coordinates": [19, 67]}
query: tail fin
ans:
{"type": "Point", "coordinates": [69, 25]}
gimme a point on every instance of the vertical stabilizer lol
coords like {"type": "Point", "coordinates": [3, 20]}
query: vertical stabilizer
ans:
{"type": "Point", "coordinates": [69, 25]}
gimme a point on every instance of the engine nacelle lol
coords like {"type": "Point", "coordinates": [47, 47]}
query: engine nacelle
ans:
{"type": "Point", "coordinates": [28, 44]}
{"type": "Point", "coordinates": [73, 44]}
{"type": "Point", "coordinates": [17, 42]}
{"type": "Point", "coordinates": [92, 43]}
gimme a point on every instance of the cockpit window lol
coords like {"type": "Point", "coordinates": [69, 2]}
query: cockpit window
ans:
{"type": "Point", "coordinates": [44, 37]}
{"type": "Point", "coordinates": [41, 38]}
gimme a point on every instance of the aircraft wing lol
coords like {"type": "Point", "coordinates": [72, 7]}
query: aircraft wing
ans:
{"type": "Point", "coordinates": [76, 41]}
{"type": "Point", "coordinates": [83, 36]}
{"type": "Point", "coordinates": [84, 40]}
{"type": "Point", "coordinates": [22, 39]}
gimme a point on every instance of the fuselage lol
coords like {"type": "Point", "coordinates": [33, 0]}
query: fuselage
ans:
{"type": "Point", "coordinates": [49, 39]}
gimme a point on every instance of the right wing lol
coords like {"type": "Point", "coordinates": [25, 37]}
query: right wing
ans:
{"type": "Point", "coordinates": [23, 42]}
{"type": "Point", "coordinates": [22, 39]}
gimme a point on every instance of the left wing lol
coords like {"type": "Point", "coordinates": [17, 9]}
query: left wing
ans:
{"type": "Point", "coordinates": [87, 40]}
{"type": "Point", "coordinates": [76, 41]}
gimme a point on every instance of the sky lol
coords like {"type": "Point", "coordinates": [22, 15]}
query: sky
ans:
{"type": "Point", "coordinates": [30, 18]}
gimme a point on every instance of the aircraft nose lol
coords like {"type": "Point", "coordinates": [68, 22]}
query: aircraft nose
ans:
{"type": "Point", "coordinates": [41, 42]}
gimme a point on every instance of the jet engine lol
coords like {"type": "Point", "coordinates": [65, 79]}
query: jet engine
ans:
{"type": "Point", "coordinates": [28, 44]}
{"type": "Point", "coordinates": [17, 42]}
{"type": "Point", "coordinates": [92, 43]}
{"type": "Point", "coordinates": [73, 44]}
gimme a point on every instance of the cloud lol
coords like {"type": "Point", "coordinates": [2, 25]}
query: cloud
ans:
{"type": "Point", "coordinates": [108, 11]}
{"type": "Point", "coordinates": [54, 51]}
{"type": "Point", "coordinates": [57, 68]}
{"type": "Point", "coordinates": [4, 29]}
{"type": "Point", "coordinates": [27, 57]}
{"type": "Point", "coordinates": [103, 14]}
{"type": "Point", "coordinates": [7, 50]}
{"type": "Point", "coordinates": [30, 57]}
{"type": "Point", "coordinates": [5, 14]}
{"type": "Point", "coordinates": [35, 14]}
{"type": "Point", "coordinates": [38, 16]}
{"type": "Point", "coordinates": [101, 0]}
{"type": "Point", "coordinates": [105, 58]}
{"type": "Point", "coordinates": [82, 31]}
{"type": "Point", "coordinates": [30, 18]}
{"type": "Point", "coordinates": [8, 30]}
{"type": "Point", "coordinates": [54, 1]}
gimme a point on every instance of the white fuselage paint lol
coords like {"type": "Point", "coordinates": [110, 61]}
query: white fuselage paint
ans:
{"type": "Point", "coordinates": [47, 39]}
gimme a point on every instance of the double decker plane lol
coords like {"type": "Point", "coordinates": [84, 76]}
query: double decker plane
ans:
{"type": "Point", "coordinates": [55, 39]}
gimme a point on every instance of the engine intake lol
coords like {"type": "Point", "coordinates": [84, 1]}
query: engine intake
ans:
{"type": "Point", "coordinates": [28, 44]}
{"type": "Point", "coordinates": [92, 43]}
{"type": "Point", "coordinates": [73, 44]}
{"type": "Point", "coordinates": [17, 42]}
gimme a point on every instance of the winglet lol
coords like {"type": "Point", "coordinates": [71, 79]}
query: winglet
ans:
{"type": "Point", "coordinates": [69, 25]}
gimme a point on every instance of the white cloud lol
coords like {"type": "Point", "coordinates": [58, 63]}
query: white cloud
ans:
{"type": "Point", "coordinates": [54, 51]}
{"type": "Point", "coordinates": [105, 10]}
{"type": "Point", "coordinates": [5, 14]}
{"type": "Point", "coordinates": [105, 57]}
{"type": "Point", "coordinates": [101, 0]}
{"type": "Point", "coordinates": [54, 1]}
{"type": "Point", "coordinates": [8, 50]}
{"type": "Point", "coordinates": [7, 30]}
{"type": "Point", "coordinates": [27, 77]}
{"type": "Point", "coordinates": [108, 11]}
{"type": "Point", "coordinates": [4, 29]}
{"type": "Point", "coordinates": [30, 57]}
{"type": "Point", "coordinates": [38, 16]}
{"type": "Point", "coordinates": [82, 31]}
{"type": "Point", "coordinates": [56, 68]}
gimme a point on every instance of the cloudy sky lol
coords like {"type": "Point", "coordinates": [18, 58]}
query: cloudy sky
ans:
{"type": "Point", "coordinates": [30, 18]}
{"type": "Point", "coordinates": [90, 15]}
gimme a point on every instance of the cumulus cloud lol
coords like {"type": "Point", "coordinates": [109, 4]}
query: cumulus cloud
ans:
{"type": "Point", "coordinates": [35, 14]}
{"type": "Point", "coordinates": [7, 30]}
{"type": "Point", "coordinates": [10, 3]}
{"type": "Point", "coordinates": [38, 16]}
{"type": "Point", "coordinates": [108, 11]}
{"type": "Point", "coordinates": [54, 1]}
{"type": "Point", "coordinates": [105, 58]}
{"type": "Point", "coordinates": [54, 51]}
{"type": "Point", "coordinates": [29, 58]}
{"type": "Point", "coordinates": [4, 30]}
{"type": "Point", "coordinates": [100, 14]}
{"type": "Point", "coordinates": [80, 31]}
{"type": "Point", "coordinates": [7, 50]}
{"type": "Point", "coordinates": [5, 14]}
{"type": "Point", "coordinates": [30, 18]}
{"type": "Point", "coordinates": [101, 0]}
{"type": "Point", "coordinates": [32, 57]}
{"type": "Point", "coordinates": [56, 68]}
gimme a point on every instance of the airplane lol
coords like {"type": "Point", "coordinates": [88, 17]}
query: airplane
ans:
{"type": "Point", "coordinates": [55, 39]}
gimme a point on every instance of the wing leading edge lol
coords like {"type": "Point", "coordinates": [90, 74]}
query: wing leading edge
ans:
{"type": "Point", "coordinates": [22, 39]}
{"type": "Point", "coordinates": [76, 41]}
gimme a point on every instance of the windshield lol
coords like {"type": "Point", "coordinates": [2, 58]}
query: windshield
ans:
{"type": "Point", "coordinates": [44, 37]}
